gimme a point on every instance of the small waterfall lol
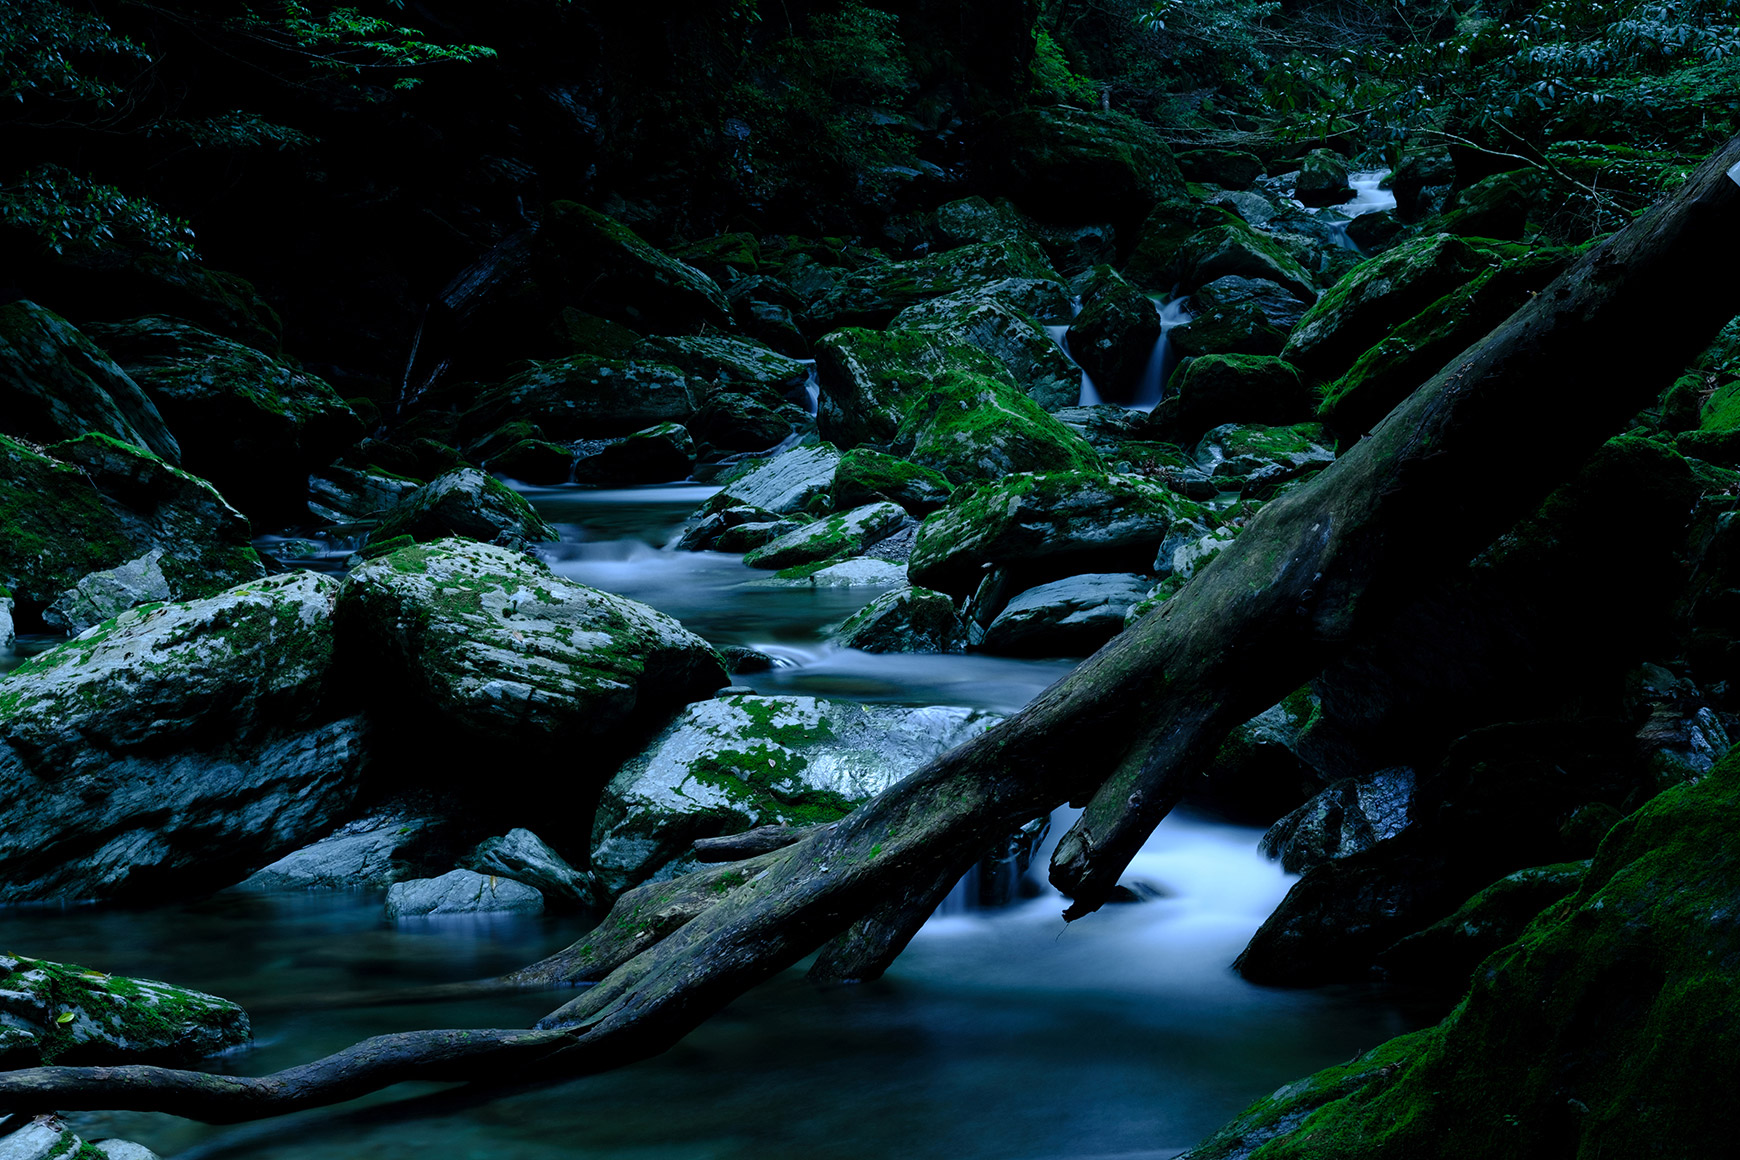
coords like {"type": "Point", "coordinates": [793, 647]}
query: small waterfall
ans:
{"type": "Point", "coordinates": [811, 396]}
{"type": "Point", "coordinates": [1163, 359]}
{"type": "Point", "coordinates": [1367, 198]}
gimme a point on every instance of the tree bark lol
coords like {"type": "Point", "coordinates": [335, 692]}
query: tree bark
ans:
{"type": "Point", "coordinates": [1432, 484]}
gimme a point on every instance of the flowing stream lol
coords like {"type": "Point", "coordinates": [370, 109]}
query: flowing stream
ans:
{"type": "Point", "coordinates": [998, 1034]}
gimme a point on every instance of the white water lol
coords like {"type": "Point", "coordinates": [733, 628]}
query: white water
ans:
{"type": "Point", "coordinates": [1367, 198]}
{"type": "Point", "coordinates": [1161, 360]}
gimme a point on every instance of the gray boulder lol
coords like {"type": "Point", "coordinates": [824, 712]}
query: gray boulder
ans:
{"type": "Point", "coordinates": [1256, 460]}
{"type": "Point", "coordinates": [468, 503]}
{"type": "Point", "coordinates": [54, 1013]}
{"type": "Point", "coordinates": [781, 485]}
{"type": "Point", "coordinates": [110, 592]}
{"type": "Point", "coordinates": [911, 620]}
{"type": "Point", "coordinates": [1348, 817]}
{"type": "Point", "coordinates": [55, 384]}
{"type": "Point", "coordinates": [845, 534]}
{"type": "Point", "coordinates": [659, 454]}
{"type": "Point", "coordinates": [738, 762]}
{"type": "Point", "coordinates": [1010, 335]}
{"type": "Point", "coordinates": [359, 854]}
{"type": "Point", "coordinates": [461, 892]}
{"type": "Point", "coordinates": [522, 855]}
{"type": "Point", "coordinates": [1069, 617]}
{"type": "Point", "coordinates": [176, 747]}
{"type": "Point", "coordinates": [488, 642]}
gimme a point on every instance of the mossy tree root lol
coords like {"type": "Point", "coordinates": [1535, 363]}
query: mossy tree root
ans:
{"type": "Point", "coordinates": [1432, 485]}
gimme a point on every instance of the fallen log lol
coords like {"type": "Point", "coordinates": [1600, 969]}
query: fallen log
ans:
{"type": "Point", "coordinates": [1124, 733]}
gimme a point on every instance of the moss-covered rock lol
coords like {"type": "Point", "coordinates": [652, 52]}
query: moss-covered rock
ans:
{"type": "Point", "coordinates": [738, 762]}
{"type": "Point", "coordinates": [1215, 389]}
{"type": "Point", "coordinates": [1154, 263]}
{"type": "Point", "coordinates": [1601, 1031]}
{"type": "Point", "coordinates": [866, 476]}
{"type": "Point", "coordinates": [843, 534]}
{"type": "Point", "coordinates": [737, 421]}
{"type": "Point", "coordinates": [872, 296]}
{"type": "Point", "coordinates": [1256, 460]}
{"type": "Point", "coordinates": [1074, 521]}
{"type": "Point", "coordinates": [1423, 181]}
{"type": "Point", "coordinates": [1230, 168]}
{"type": "Point", "coordinates": [1236, 249]}
{"type": "Point", "coordinates": [1322, 178]}
{"type": "Point", "coordinates": [912, 620]}
{"type": "Point", "coordinates": [1379, 294]}
{"type": "Point", "coordinates": [586, 398]}
{"type": "Point", "coordinates": [721, 361]}
{"type": "Point", "coordinates": [466, 503]}
{"type": "Point", "coordinates": [596, 262]}
{"type": "Point", "coordinates": [489, 643]}
{"type": "Point", "coordinates": [176, 747]}
{"type": "Point", "coordinates": [1069, 164]}
{"type": "Point", "coordinates": [535, 461]}
{"type": "Point", "coordinates": [870, 379]}
{"type": "Point", "coordinates": [1494, 207]}
{"type": "Point", "coordinates": [783, 485]}
{"type": "Point", "coordinates": [252, 424]}
{"type": "Point", "coordinates": [56, 1013]}
{"type": "Point", "coordinates": [660, 454]}
{"type": "Point", "coordinates": [55, 384]}
{"type": "Point", "coordinates": [1007, 333]}
{"type": "Point", "coordinates": [1113, 337]}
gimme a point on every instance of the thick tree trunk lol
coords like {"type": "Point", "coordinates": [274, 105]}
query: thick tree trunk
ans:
{"type": "Point", "coordinates": [1431, 485]}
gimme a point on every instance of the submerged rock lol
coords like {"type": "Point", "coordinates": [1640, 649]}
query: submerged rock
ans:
{"type": "Point", "coordinates": [55, 384]}
{"type": "Point", "coordinates": [468, 503]}
{"type": "Point", "coordinates": [461, 892]}
{"type": "Point", "coordinates": [739, 762]}
{"type": "Point", "coordinates": [54, 1013]}
{"type": "Point", "coordinates": [176, 747]}
{"type": "Point", "coordinates": [489, 643]}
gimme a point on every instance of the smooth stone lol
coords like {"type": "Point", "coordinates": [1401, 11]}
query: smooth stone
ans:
{"type": "Point", "coordinates": [461, 892]}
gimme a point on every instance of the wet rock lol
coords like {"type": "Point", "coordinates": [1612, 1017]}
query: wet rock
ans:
{"type": "Point", "coordinates": [1423, 182]}
{"type": "Point", "coordinates": [1231, 168]}
{"type": "Point", "coordinates": [535, 461]}
{"type": "Point", "coordinates": [466, 503]}
{"type": "Point", "coordinates": [844, 534]}
{"type": "Point", "coordinates": [176, 747]}
{"type": "Point", "coordinates": [1270, 301]}
{"type": "Point", "coordinates": [744, 761]}
{"type": "Point", "coordinates": [1255, 460]}
{"type": "Point", "coordinates": [524, 857]}
{"type": "Point", "coordinates": [1681, 736]}
{"type": "Point", "coordinates": [732, 421]}
{"type": "Point", "coordinates": [1241, 328]}
{"type": "Point", "coordinates": [584, 397]}
{"type": "Point", "coordinates": [1322, 179]}
{"type": "Point", "coordinates": [346, 495]}
{"type": "Point", "coordinates": [600, 264]}
{"type": "Point", "coordinates": [1113, 337]}
{"type": "Point", "coordinates": [782, 485]}
{"type": "Point", "coordinates": [866, 476]}
{"type": "Point", "coordinates": [1016, 339]}
{"type": "Point", "coordinates": [110, 592]}
{"type": "Point", "coordinates": [94, 503]}
{"type": "Point", "coordinates": [252, 424]}
{"type": "Point", "coordinates": [7, 636]}
{"type": "Point", "coordinates": [874, 295]}
{"type": "Point", "coordinates": [660, 454]}
{"type": "Point", "coordinates": [55, 1013]}
{"type": "Point", "coordinates": [1348, 817]}
{"type": "Point", "coordinates": [1068, 521]}
{"type": "Point", "coordinates": [720, 361]}
{"type": "Point", "coordinates": [1078, 165]}
{"type": "Point", "coordinates": [487, 642]}
{"type": "Point", "coordinates": [1070, 617]}
{"type": "Point", "coordinates": [862, 572]}
{"type": "Point", "coordinates": [1256, 775]}
{"type": "Point", "coordinates": [871, 379]}
{"type": "Point", "coordinates": [1379, 294]}
{"type": "Point", "coordinates": [361, 854]}
{"type": "Point", "coordinates": [1154, 264]}
{"type": "Point", "coordinates": [1216, 389]}
{"type": "Point", "coordinates": [55, 384]}
{"type": "Point", "coordinates": [912, 620]}
{"type": "Point", "coordinates": [973, 428]}
{"type": "Point", "coordinates": [1236, 250]}
{"type": "Point", "coordinates": [1043, 300]}
{"type": "Point", "coordinates": [461, 892]}
{"type": "Point", "coordinates": [1444, 955]}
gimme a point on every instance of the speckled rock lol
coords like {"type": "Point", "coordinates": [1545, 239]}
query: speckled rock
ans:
{"type": "Point", "coordinates": [912, 620]}
{"type": "Point", "coordinates": [743, 761]}
{"type": "Point", "coordinates": [870, 379]}
{"type": "Point", "coordinates": [1069, 617]}
{"type": "Point", "coordinates": [468, 503]}
{"type": "Point", "coordinates": [62, 1014]}
{"type": "Point", "coordinates": [523, 856]}
{"type": "Point", "coordinates": [461, 892]}
{"type": "Point", "coordinates": [55, 384]}
{"type": "Point", "coordinates": [488, 642]}
{"type": "Point", "coordinates": [1007, 333]}
{"type": "Point", "coordinates": [360, 854]}
{"type": "Point", "coordinates": [1350, 816]}
{"type": "Point", "coordinates": [1255, 460]}
{"type": "Point", "coordinates": [110, 592]}
{"type": "Point", "coordinates": [175, 748]}
{"type": "Point", "coordinates": [843, 534]}
{"type": "Point", "coordinates": [781, 485]}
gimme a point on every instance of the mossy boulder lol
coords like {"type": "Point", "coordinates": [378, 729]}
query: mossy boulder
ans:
{"type": "Point", "coordinates": [737, 421]}
{"type": "Point", "coordinates": [1214, 389]}
{"type": "Point", "coordinates": [843, 534]}
{"type": "Point", "coordinates": [1416, 349]}
{"type": "Point", "coordinates": [1322, 179]}
{"type": "Point", "coordinates": [870, 379]}
{"type": "Point", "coordinates": [722, 361]}
{"type": "Point", "coordinates": [489, 643]}
{"type": "Point", "coordinates": [252, 424]}
{"type": "Point", "coordinates": [466, 503]}
{"type": "Point", "coordinates": [1496, 206]}
{"type": "Point", "coordinates": [1256, 459]}
{"type": "Point", "coordinates": [1601, 1031]}
{"type": "Point", "coordinates": [973, 428]}
{"type": "Point", "coordinates": [912, 620]}
{"type": "Point", "coordinates": [95, 503]}
{"type": "Point", "coordinates": [741, 761]}
{"type": "Point", "coordinates": [592, 260]}
{"type": "Point", "coordinates": [1007, 333]}
{"type": "Point", "coordinates": [535, 461]}
{"type": "Point", "coordinates": [866, 476]}
{"type": "Point", "coordinates": [875, 294]}
{"type": "Point", "coordinates": [1113, 337]}
{"type": "Point", "coordinates": [1229, 168]}
{"type": "Point", "coordinates": [1240, 328]}
{"type": "Point", "coordinates": [586, 398]}
{"type": "Point", "coordinates": [57, 1013]}
{"type": "Point", "coordinates": [1379, 294]}
{"type": "Point", "coordinates": [783, 485]}
{"type": "Point", "coordinates": [661, 454]}
{"type": "Point", "coordinates": [1423, 181]}
{"type": "Point", "coordinates": [1068, 164]}
{"type": "Point", "coordinates": [1153, 264]}
{"type": "Point", "coordinates": [1236, 249]}
{"type": "Point", "coordinates": [722, 257]}
{"type": "Point", "coordinates": [56, 384]}
{"type": "Point", "coordinates": [1065, 522]}
{"type": "Point", "coordinates": [1071, 617]}
{"type": "Point", "coordinates": [173, 749]}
